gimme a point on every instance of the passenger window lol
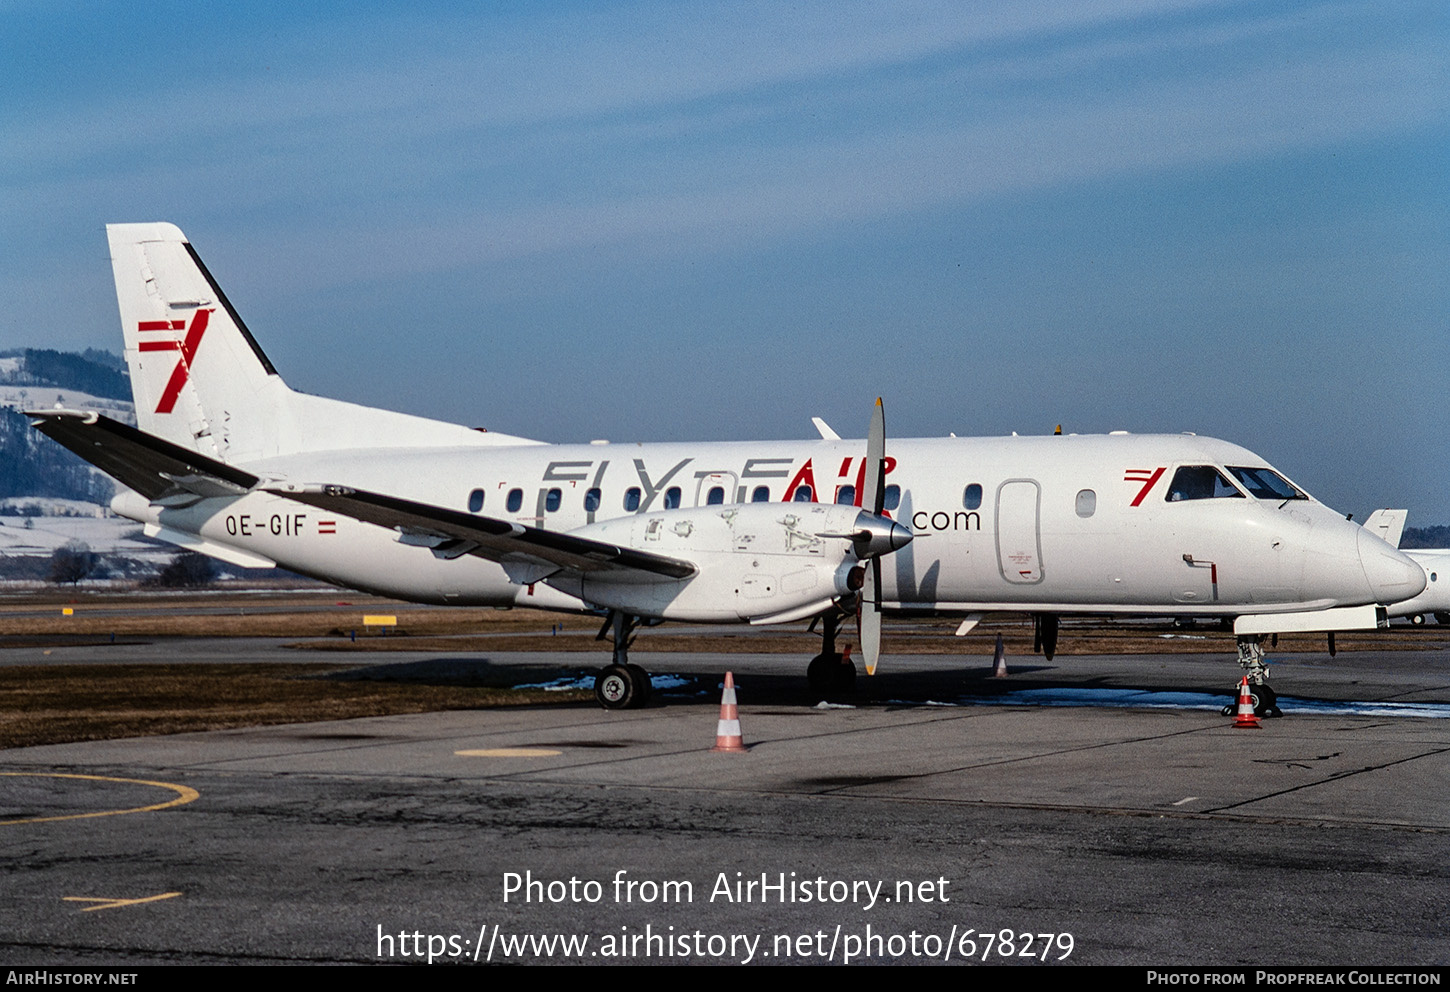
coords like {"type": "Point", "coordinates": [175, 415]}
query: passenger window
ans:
{"type": "Point", "coordinates": [475, 501]}
{"type": "Point", "coordinates": [893, 498]}
{"type": "Point", "coordinates": [552, 499]}
{"type": "Point", "coordinates": [716, 496]}
{"type": "Point", "coordinates": [1087, 503]}
{"type": "Point", "coordinates": [515, 500]}
{"type": "Point", "coordinates": [1200, 482]}
{"type": "Point", "coordinates": [1265, 483]}
{"type": "Point", "coordinates": [803, 494]}
{"type": "Point", "coordinates": [591, 500]}
{"type": "Point", "coordinates": [972, 497]}
{"type": "Point", "coordinates": [631, 498]}
{"type": "Point", "coordinates": [672, 498]}
{"type": "Point", "coordinates": [761, 495]}
{"type": "Point", "coordinates": [846, 495]}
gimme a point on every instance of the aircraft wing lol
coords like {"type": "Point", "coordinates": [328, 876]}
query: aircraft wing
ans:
{"type": "Point", "coordinates": [163, 472]}
{"type": "Point", "coordinates": [527, 553]}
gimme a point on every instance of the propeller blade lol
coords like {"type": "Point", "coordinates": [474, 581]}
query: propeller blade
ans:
{"type": "Point", "coordinates": [869, 617]}
{"type": "Point", "coordinates": [873, 494]}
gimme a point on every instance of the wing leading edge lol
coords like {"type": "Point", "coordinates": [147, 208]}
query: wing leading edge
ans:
{"type": "Point", "coordinates": [523, 551]}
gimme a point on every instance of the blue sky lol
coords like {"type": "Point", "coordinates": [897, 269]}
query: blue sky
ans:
{"type": "Point", "coordinates": [711, 221]}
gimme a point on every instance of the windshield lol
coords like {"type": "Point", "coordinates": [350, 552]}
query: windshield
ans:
{"type": "Point", "coordinates": [1265, 483]}
{"type": "Point", "coordinates": [1200, 482]}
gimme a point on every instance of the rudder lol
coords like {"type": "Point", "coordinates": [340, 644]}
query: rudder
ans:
{"type": "Point", "coordinates": [197, 375]}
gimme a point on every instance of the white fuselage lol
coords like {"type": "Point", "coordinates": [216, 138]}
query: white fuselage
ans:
{"type": "Point", "coordinates": [1081, 524]}
{"type": "Point", "coordinates": [1435, 598]}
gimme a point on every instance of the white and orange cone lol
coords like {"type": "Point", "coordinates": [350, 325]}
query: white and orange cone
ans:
{"type": "Point", "coordinates": [1245, 720]}
{"type": "Point", "coordinates": [727, 735]}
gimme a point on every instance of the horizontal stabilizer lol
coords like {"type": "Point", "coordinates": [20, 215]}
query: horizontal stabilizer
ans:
{"type": "Point", "coordinates": [520, 549]}
{"type": "Point", "coordinates": [195, 542]}
{"type": "Point", "coordinates": [161, 471]}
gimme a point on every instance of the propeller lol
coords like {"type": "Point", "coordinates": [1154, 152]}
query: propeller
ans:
{"type": "Point", "coordinates": [873, 498]}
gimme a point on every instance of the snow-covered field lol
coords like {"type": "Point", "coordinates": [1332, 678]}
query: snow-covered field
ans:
{"type": "Point", "coordinates": [50, 397]}
{"type": "Point", "coordinates": [96, 526]}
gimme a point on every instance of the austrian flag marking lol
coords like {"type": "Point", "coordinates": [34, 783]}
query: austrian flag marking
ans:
{"type": "Point", "coordinates": [186, 345]}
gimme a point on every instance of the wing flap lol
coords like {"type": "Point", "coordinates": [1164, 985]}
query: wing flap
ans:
{"type": "Point", "coordinates": [519, 548]}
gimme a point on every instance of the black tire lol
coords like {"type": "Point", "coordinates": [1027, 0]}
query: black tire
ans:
{"type": "Point", "coordinates": [1441, 616]}
{"type": "Point", "coordinates": [642, 686]}
{"type": "Point", "coordinates": [819, 672]}
{"type": "Point", "coordinates": [831, 675]}
{"type": "Point", "coordinates": [1417, 619]}
{"type": "Point", "coordinates": [1266, 701]}
{"type": "Point", "coordinates": [615, 688]}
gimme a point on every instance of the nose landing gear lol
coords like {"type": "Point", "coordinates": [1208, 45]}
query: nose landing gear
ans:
{"type": "Point", "coordinates": [1251, 660]}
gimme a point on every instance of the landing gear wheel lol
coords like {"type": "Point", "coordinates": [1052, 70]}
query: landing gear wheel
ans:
{"type": "Point", "coordinates": [1417, 619]}
{"type": "Point", "coordinates": [831, 674]}
{"type": "Point", "coordinates": [615, 688]}
{"type": "Point", "coordinates": [1266, 701]}
{"type": "Point", "coordinates": [643, 689]}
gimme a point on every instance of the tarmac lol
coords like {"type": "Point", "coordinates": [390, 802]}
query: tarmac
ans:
{"type": "Point", "coordinates": [1089, 810]}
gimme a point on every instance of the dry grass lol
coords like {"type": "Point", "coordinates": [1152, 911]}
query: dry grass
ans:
{"type": "Point", "coordinates": [61, 703]}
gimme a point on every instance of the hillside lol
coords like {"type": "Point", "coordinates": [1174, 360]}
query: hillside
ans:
{"type": "Point", "coordinates": [35, 378]}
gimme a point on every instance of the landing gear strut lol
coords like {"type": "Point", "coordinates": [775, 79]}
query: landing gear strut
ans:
{"type": "Point", "coordinates": [829, 672]}
{"type": "Point", "coordinates": [1256, 669]}
{"type": "Point", "coordinates": [621, 685]}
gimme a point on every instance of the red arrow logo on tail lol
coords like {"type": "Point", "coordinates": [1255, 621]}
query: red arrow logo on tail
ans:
{"type": "Point", "coordinates": [187, 346]}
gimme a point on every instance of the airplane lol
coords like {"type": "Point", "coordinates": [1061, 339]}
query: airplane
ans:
{"type": "Point", "coordinates": [1389, 525]}
{"type": "Point", "coordinates": [229, 461]}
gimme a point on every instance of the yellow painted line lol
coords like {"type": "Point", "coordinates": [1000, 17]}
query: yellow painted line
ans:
{"type": "Point", "coordinates": [184, 795]}
{"type": "Point", "coordinates": [509, 752]}
{"type": "Point", "coordinates": [113, 903]}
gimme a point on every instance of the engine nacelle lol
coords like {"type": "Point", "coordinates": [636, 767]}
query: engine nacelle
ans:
{"type": "Point", "coordinates": [764, 562]}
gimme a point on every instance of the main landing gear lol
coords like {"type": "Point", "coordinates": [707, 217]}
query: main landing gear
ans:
{"type": "Point", "coordinates": [830, 672]}
{"type": "Point", "coordinates": [1256, 669]}
{"type": "Point", "coordinates": [621, 685]}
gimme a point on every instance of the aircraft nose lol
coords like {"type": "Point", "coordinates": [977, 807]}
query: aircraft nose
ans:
{"type": "Point", "coordinates": [1392, 576]}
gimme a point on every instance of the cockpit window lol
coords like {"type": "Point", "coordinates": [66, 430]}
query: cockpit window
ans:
{"type": "Point", "coordinates": [1265, 483]}
{"type": "Point", "coordinates": [1200, 482]}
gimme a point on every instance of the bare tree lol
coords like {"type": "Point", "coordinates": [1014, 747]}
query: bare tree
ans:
{"type": "Point", "coordinates": [71, 562]}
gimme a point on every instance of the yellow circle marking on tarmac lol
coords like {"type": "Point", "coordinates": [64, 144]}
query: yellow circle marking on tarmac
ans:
{"type": "Point", "coordinates": [184, 795]}
{"type": "Point", "coordinates": [509, 752]}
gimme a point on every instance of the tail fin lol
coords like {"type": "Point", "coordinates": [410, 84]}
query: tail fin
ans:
{"type": "Point", "coordinates": [1388, 525]}
{"type": "Point", "coordinates": [200, 380]}
{"type": "Point", "coordinates": [170, 309]}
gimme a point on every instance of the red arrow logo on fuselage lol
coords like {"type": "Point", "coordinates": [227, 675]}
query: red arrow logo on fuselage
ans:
{"type": "Point", "coordinates": [1144, 475]}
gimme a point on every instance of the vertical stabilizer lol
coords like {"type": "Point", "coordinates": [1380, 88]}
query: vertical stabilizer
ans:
{"type": "Point", "coordinates": [201, 381]}
{"type": "Point", "coordinates": [194, 366]}
{"type": "Point", "coordinates": [1387, 525]}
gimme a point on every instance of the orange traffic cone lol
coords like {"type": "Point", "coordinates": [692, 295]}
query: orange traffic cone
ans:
{"type": "Point", "coordinates": [727, 735]}
{"type": "Point", "coordinates": [1245, 719]}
